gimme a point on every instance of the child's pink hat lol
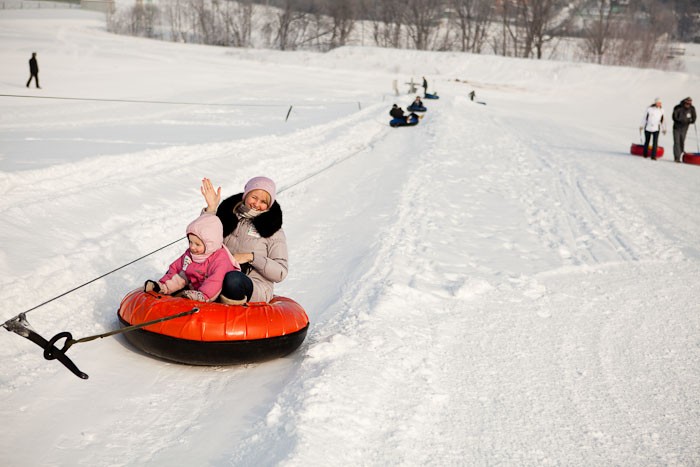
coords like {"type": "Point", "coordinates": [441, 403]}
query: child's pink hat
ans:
{"type": "Point", "coordinates": [209, 230]}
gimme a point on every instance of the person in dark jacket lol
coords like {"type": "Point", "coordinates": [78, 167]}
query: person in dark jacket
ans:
{"type": "Point", "coordinates": [425, 85]}
{"type": "Point", "coordinates": [397, 112]}
{"type": "Point", "coordinates": [33, 71]}
{"type": "Point", "coordinates": [683, 115]}
{"type": "Point", "coordinates": [417, 102]}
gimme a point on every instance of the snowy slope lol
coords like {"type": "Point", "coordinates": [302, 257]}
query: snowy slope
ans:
{"type": "Point", "coordinates": [502, 284]}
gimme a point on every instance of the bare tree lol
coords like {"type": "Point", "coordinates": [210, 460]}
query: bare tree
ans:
{"type": "Point", "coordinates": [317, 30]}
{"type": "Point", "coordinates": [506, 43]}
{"type": "Point", "coordinates": [174, 12]}
{"type": "Point", "coordinates": [290, 25]}
{"type": "Point", "coordinates": [655, 47]}
{"type": "Point", "coordinates": [642, 38]}
{"type": "Point", "coordinates": [139, 20]}
{"type": "Point", "coordinates": [386, 17]}
{"type": "Point", "coordinates": [204, 21]}
{"type": "Point", "coordinates": [598, 32]}
{"type": "Point", "coordinates": [472, 18]}
{"type": "Point", "coordinates": [633, 32]}
{"type": "Point", "coordinates": [421, 18]}
{"type": "Point", "coordinates": [332, 22]}
{"type": "Point", "coordinates": [539, 21]}
{"type": "Point", "coordinates": [237, 19]}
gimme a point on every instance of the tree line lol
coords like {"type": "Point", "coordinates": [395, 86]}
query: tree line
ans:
{"type": "Point", "coordinates": [616, 32]}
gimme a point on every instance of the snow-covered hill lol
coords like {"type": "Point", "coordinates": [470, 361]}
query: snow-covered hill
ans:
{"type": "Point", "coordinates": [502, 284]}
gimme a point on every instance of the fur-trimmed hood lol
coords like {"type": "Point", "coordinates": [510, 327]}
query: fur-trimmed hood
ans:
{"type": "Point", "coordinates": [266, 223]}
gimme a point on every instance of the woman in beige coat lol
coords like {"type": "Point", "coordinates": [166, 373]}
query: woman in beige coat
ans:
{"type": "Point", "coordinates": [253, 233]}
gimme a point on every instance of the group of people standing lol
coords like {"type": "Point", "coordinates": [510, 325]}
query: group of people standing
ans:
{"type": "Point", "coordinates": [653, 122]}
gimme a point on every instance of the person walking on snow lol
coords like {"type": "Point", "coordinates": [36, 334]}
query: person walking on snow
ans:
{"type": "Point", "coordinates": [683, 115]}
{"type": "Point", "coordinates": [33, 71]}
{"type": "Point", "coordinates": [652, 122]}
{"type": "Point", "coordinates": [200, 271]}
{"type": "Point", "coordinates": [425, 86]}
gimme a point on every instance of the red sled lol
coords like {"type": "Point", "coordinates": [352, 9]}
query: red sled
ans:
{"type": "Point", "coordinates": [638, 150]}
{"type": "Point", "coordinates": [691, 158]}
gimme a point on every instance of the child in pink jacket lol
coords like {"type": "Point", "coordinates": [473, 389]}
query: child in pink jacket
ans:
{"type": "Point", "coordinates": [201, 269]}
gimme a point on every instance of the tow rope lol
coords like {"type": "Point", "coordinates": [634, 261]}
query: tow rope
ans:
{"type": "Point", "coordinates": [19, 325]}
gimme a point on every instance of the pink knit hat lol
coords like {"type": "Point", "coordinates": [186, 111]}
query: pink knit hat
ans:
{"type": "Point", "coordinates": [261, 183]}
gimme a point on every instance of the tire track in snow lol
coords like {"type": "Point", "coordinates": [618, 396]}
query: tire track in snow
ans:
{"type": "Point", "coordinates": [565, 384]}
{"type": "Point", "coordinates": [591, 210]}
{"type": "Point", "coordinates": [561, 211]}
{"type": "Point", "coordinates": [594, 407]}
{"type": "Point", "coordinates": [592, 235]}
{"type": "Point", "coordinates": [385, 310]}
{"type": "Point", "coordinates": [407, 312]}
{"type": "Point", "coordinates": [615, 375]}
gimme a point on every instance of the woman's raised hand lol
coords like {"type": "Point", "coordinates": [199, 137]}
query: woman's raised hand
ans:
{"type": "Point", "coordinates": [212, 196]}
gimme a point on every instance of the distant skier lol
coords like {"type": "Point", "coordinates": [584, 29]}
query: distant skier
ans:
{"type": "Point", "coordinates": [425, 86]}
{"type": "Point", "coordinates": [33, 71]}
{"type": "Point", "coordinates": [652, 122]}
{"type": "Point", "coordinates": [472, 95]}
{"type": "Point", "coordinates": [683, 115]}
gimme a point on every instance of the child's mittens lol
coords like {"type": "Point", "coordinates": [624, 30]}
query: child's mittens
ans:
{"type": "Point", "coordinates": [151, 286]}
{"type": "Point", "coordinates": [173, 284]}
{"type": "Point", "coordinates": [195, 295]}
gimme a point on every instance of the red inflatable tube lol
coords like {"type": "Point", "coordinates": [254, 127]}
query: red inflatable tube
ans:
{"type": "Point", "coordinates": [218, 334]}
{"type": "Point", "coordinates": [638, 150]}
{"type": "Point", "coordinates": [691, 158]}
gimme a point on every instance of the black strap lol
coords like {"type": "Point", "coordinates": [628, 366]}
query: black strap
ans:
{"type": "Point", "coordinates": [19, 325]}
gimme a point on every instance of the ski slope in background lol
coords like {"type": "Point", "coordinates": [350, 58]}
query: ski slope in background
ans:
{"type": "Point", "coordinates": [502, 284]}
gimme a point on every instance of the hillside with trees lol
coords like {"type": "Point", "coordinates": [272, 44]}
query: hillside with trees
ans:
{"type": "Point", "coordinates": [641, 33]}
